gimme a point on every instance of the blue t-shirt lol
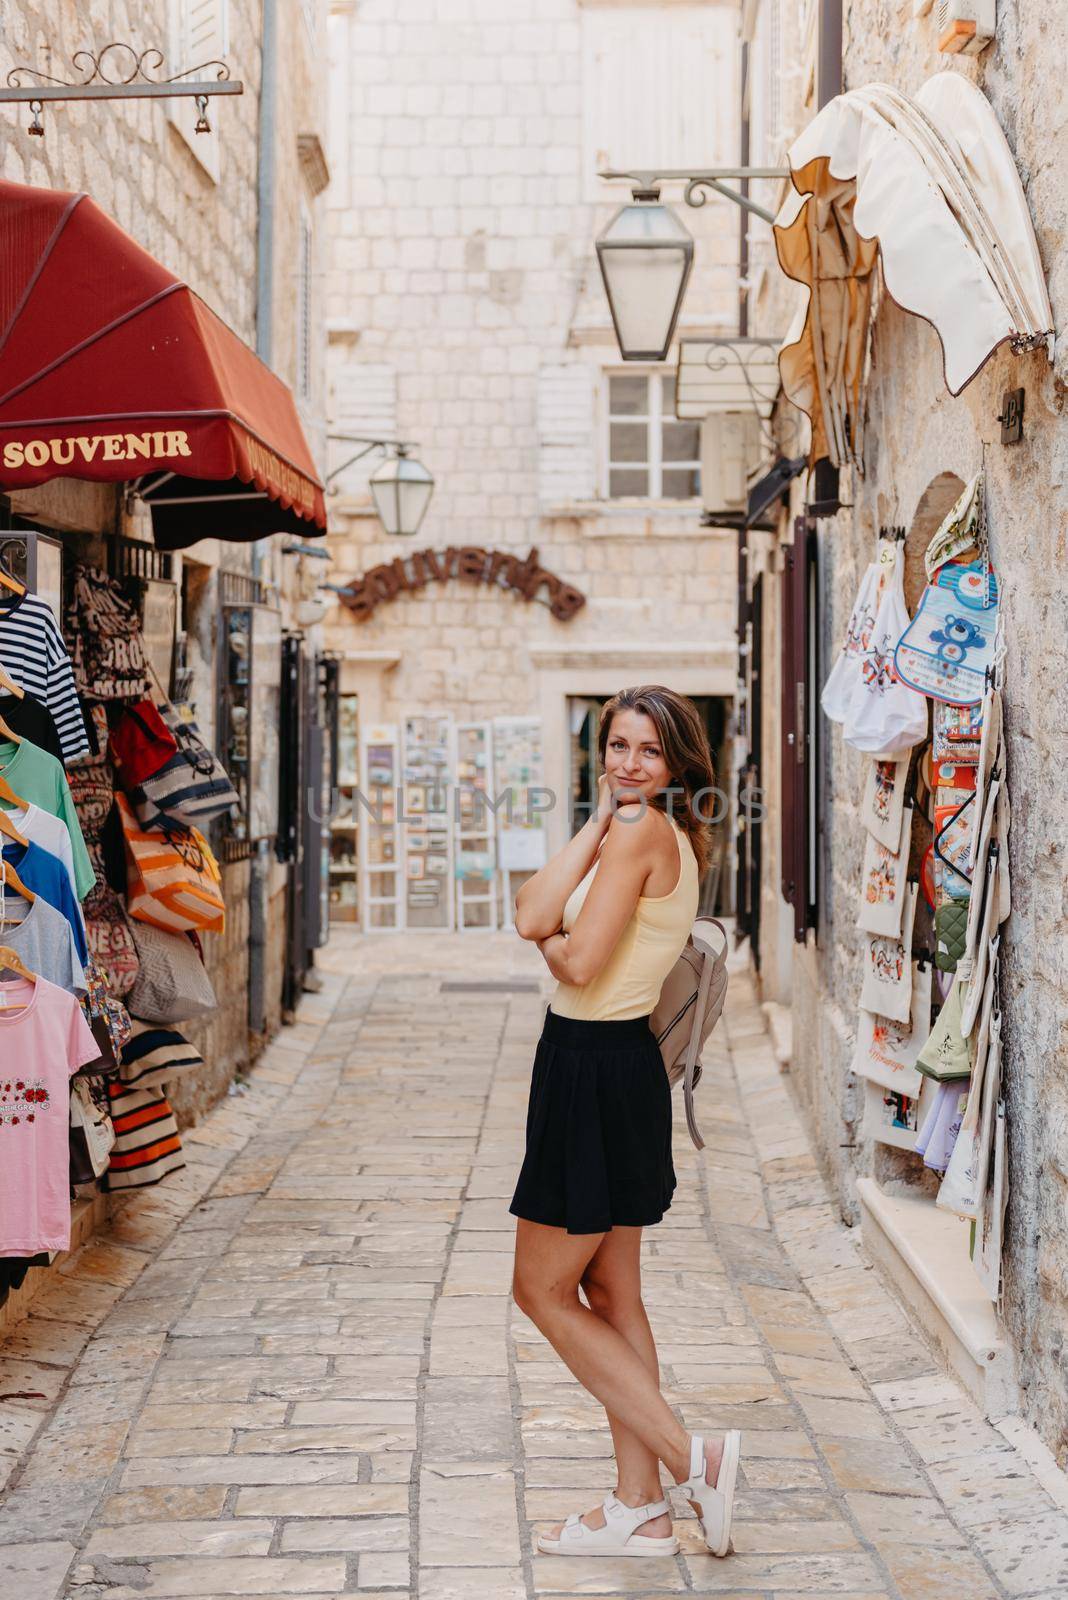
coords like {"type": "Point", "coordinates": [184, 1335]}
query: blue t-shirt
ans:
{"type": "Point", "coordinates": [44, 874]}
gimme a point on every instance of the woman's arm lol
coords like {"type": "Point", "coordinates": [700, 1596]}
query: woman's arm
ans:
{"type": "Point", "coordinates": [628, 855]}
{"type": "Point", "coordinates": [539, 905]}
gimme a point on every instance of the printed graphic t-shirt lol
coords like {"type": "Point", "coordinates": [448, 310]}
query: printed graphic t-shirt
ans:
{"type": "Point", "coordinates": [46, 876]}
{"type": "Point", "coordinates": [38, 779]}
{"type": "Point", "coordinates": [49, 1040]}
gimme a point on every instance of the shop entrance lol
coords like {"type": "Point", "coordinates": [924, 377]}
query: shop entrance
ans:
{"type": "Point", "coordinates": [584, 715]}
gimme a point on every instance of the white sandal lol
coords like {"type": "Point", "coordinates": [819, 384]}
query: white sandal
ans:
{"type": "Point", "coordinates": [616, 1538]}
{"type": "Point", "coordinates": [714, 1504]}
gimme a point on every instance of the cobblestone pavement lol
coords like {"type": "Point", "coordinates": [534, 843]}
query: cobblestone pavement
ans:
{"type": "Point", "coordinates": [293, 1369]}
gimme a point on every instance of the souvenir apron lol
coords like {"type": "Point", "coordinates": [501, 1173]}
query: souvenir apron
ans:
{"type": "Point", "coordinates": [946, 648]}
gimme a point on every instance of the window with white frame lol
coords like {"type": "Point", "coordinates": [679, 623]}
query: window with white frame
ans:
{"type": "Point", "coordinates": [304, 303]}
{"type": "Point", "coordinates": [651, 455]}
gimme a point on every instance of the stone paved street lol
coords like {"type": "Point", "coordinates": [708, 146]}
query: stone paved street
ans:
{"type": "Point", "coordinates": [294, 1369]}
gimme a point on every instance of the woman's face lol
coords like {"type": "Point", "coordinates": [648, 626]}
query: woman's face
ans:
{"type": "Point", "coordinates": [634, 758]}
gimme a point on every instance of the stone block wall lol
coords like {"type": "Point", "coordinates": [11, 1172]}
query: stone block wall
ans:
{"type": "Point", "coordinates": [917, 432]}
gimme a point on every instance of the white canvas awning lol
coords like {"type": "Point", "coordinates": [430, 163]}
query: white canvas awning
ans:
{"type": "Point", "coordinates": [930, 185]}
{"type": "Point", "coordinates": [717, 375]}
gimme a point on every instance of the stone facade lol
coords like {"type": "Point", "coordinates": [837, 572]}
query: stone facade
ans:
{"type": "Point", "coordinates": [918, 434]}
{"type": "Point", "coordinates": [466, 314]}
{"type": "Point", "coordinates": [193, 202]}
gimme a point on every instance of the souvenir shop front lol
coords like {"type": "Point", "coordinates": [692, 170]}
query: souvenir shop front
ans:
{"type": "Point", "coordinates": [897, 752]}
{"type": "Point", "coordinates": [143, 706]}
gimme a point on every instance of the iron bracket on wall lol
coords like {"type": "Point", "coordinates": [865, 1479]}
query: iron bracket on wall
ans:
{"type": "Point", "coordinates": [698, 182]}
{"type": "Point", "coordinates": [121, 76]}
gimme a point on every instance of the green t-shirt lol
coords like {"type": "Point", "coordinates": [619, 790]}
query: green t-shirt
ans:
{"type": "Point", "coordinates": [37, 777]}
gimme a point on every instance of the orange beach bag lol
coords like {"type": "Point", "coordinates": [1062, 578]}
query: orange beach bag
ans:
{"type": "Point", "coordinates": [172, 879]}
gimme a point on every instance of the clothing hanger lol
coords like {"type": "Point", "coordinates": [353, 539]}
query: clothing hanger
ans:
{"type": "Point", "coordinates": [9, 733]}
{"type": "Point", "coordinates": [9, 878]}
{"type": "Point", "coordinates": [10, 582]}
{"type": "Point", "coordinates": [8, 684]}
{"type": "Point", "coordinates": [10, 961]}
{"type": "Point", "coordinates": [8, 827]}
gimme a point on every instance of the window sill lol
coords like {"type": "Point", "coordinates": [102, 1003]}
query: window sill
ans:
{"type": "Point", "coordinates": [635, 519]}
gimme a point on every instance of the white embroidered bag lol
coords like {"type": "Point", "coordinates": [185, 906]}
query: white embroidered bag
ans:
{"type": "Point", "coordinates": [885, 718]}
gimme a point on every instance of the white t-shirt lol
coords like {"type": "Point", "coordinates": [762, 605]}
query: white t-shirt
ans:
{"type": "Point", "coordinates": [49, 832]}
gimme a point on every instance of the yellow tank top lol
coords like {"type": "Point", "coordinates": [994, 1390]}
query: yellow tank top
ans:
{"type": "Point", "coordinates": [629, 984]}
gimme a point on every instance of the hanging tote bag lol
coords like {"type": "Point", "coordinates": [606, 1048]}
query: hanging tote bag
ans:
{"type": "Point", "coordinates": [191, 787]}
{"type": "Point", "coordinates": [884, 799]}
{"type": "Point", "coordinates": [92, 1136]}
{"type": "Point", "coordinates": [171, 985]}
{"type": "Point", "coordinates": [172, 878]}
{"type": "Point", "coordinates": [886, 717]}
{"type": "Point", "coordinates": [140, 744]}
{"type": "Point", "coordinates": [155, 1055]}
{"type": "Point", "coordinates": [690, 1005]}
{"type": "Point", "coordinates": [886, 1051]}
{"type": "Point", "coordinates": [845, 674]}
{"type": "Point", "coordinates": [110, 938]}
{"type": "Point", "coordinates": [107, 652]}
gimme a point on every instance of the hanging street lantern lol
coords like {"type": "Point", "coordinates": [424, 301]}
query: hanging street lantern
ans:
{"type": "Point", "coordinates": [645, 255]}
{"type": "Point", "coordinates": [401, 489]}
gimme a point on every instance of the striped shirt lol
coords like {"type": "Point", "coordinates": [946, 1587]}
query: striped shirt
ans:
{"type": "Point", "coordinates": [34, 655]}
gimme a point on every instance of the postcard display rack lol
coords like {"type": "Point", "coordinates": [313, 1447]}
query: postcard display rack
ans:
{"type": "Point", "coordinates": [475, 828]}
{"type": "Point", "coordinates": [345, 822]}
{"type": "Point", "coordinates": [518, 773]}
{"type": "Point", "coordinates": [431, 853]}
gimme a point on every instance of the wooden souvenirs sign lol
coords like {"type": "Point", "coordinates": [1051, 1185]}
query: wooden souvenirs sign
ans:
{"type": "Point", "coordinates": [471, 563]}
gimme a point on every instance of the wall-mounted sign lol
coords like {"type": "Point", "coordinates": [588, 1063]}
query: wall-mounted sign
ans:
{"type": "Point", "coordinates": [472, 564]}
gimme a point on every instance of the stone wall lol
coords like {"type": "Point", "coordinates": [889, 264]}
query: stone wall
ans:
{"type": "Point", "coordinates": [917, 431]}
{"type": "Point", "coordinates": [462, 266]}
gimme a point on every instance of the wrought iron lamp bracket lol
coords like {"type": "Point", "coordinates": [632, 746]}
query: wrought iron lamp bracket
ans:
{"type": "Point", "coordinates": [118, 72]}
{"type": "Point", "coordinates": [698, 183]}
{"type": "Point", "coordinates": [402, 447]}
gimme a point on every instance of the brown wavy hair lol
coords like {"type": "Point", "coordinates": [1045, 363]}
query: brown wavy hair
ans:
{"type": "Point", "coordinates": [685, 745]}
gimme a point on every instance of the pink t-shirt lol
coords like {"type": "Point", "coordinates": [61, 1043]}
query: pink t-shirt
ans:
{"type": "Point", "coordinates": [41, 1045]}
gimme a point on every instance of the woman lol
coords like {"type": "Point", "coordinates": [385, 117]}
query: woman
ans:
{"type": "Point", "coordinates": [610, 914]}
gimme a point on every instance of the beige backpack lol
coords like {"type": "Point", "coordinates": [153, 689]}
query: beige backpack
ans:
{"type": "Point", "coordinates": [689, 1007]}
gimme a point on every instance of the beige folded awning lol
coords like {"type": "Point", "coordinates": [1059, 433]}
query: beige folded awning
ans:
{"type": "Point", "coordinates": [929, 186]}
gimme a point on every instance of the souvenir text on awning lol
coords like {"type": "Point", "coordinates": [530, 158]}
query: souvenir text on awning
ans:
{"type": "Point", "coordinates": [112, 369]}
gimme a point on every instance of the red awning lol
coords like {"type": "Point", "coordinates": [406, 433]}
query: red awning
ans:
{"type": "Point", "coordinates": [112, 369]}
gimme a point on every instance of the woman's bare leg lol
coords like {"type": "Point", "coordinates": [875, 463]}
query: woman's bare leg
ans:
{"type": "Point", "coordinates": [612, 1286]}
{"type": "Point", "coordinates": [549, 1266]}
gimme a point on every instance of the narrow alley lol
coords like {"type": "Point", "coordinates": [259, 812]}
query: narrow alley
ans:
{"type": "Point", "coordinates": [298, 1360]}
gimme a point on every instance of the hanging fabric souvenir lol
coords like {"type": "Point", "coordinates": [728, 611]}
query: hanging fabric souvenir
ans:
{"type": "Point", "coordinates": [106, 646]}
{"type": "Point", "coordinates": [989, 1230]}
{"type": "Point", "coordinates": [893, 1118]}
{"type": "Point", "coordinates": [884, 799]}
{"type": "Point", "coordinates": [961, 531]}
{"type": "Point", "coordinates": [946, 648]}
{"type": "Point", "coordinates": [882, 884]}
{"type": "Point", "coordinates": [886, 1051]}
{"type": "Point", "coordinates": [887, 987]}
{"type": "Point", "coordinates": [957, 731]}
{"type": "Point", "coordinates": [941, 1127]}
{"type": "Point", "coordinates": [886, 717]}
{"type": "Point", "coordinates": [947, 1054]}
{"type": "Point", "coordinates": [845, 674]}
{"type": "Point", "coordinates": [977, 971]}
{"type": "Point", "coordinates": [960, 1191]}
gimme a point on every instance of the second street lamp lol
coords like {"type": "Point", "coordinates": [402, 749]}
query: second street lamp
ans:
{"type": "Point", "coordinates": [645, 255]}
{"type": "Point", "coordinates": [401, 488]}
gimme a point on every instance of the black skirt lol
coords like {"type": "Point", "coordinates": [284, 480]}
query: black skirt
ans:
{"type": "Point", "coordinates": [598, 1128]}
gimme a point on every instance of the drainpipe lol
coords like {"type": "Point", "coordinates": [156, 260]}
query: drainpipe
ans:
{"type": "Point", "coordinates": [743, 213]}
{"type": "Point", "coordinates": [259, 873]}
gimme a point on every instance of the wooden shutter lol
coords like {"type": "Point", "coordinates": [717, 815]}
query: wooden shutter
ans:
{"type": "Point", "coordinates": [566, 419]}
{"type": "Point", "coordinates": [799, 690]}
{"type": "Point", "coordinates": [198, 34]}
{"type": "Point", "coordinates": [363, 402]}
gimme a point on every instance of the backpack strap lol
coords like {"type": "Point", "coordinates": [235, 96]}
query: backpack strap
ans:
{"type": "Point", "coordinates": [693, 1048]}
